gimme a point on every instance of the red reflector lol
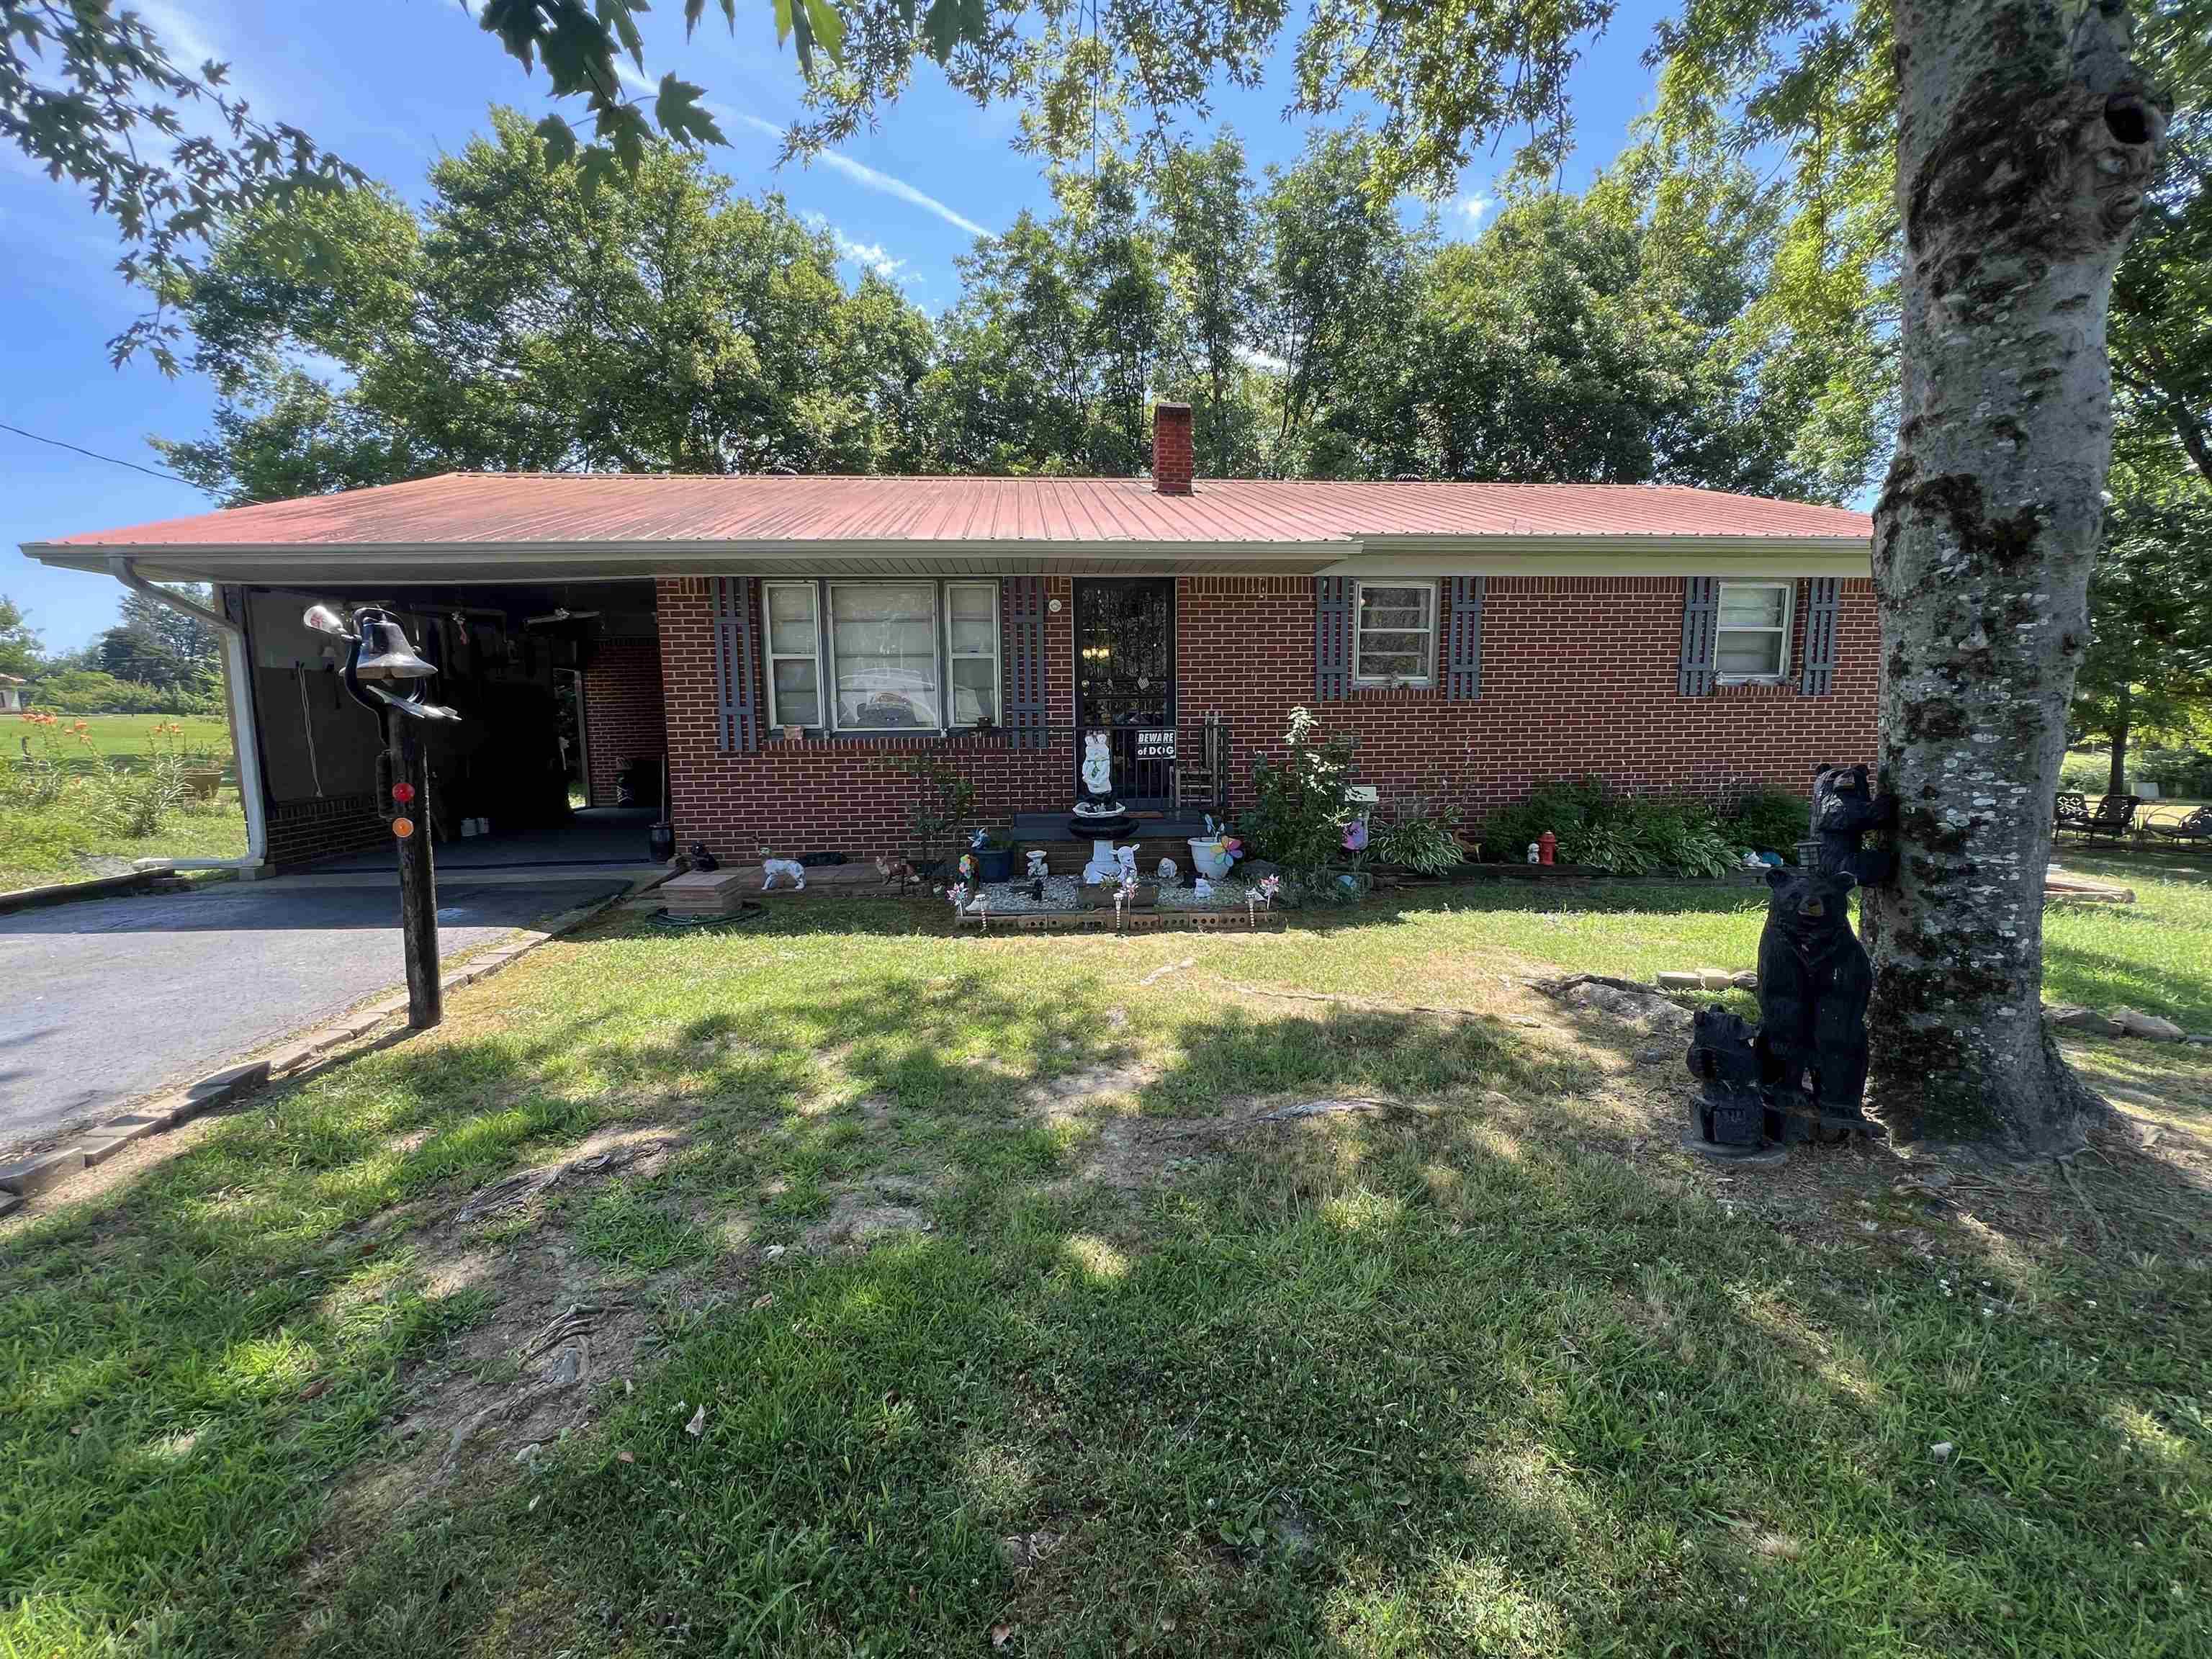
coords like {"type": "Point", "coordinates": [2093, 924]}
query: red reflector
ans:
{"type": "Point", "coordinates": [403, 792]}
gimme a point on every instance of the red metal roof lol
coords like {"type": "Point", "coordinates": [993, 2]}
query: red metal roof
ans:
{"type": "Point", "coordinates": [571, 509]}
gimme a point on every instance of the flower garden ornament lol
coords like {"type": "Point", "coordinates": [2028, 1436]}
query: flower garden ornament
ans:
{"type": "Point", "coordinates": [1267, 890]}
{"type": "Point", "coordinates": [1355, 835]}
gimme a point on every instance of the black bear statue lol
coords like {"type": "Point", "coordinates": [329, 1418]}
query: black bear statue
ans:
{"type": "Point", "coordinates": [1814, 983]}
{"type": "Point", "coordinates": [1729, 1116]}
{"type": "Point", "coordinates": [1846, 809]}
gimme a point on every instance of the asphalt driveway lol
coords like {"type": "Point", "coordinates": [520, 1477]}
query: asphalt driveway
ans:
{"type": "Point", "coordinates": [105, 1001]}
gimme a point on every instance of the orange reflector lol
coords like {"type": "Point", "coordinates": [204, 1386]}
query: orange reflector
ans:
{"type": "Point", "coordinates": [402, 828]}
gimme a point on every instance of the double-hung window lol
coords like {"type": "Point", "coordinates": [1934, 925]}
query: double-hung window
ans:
{"type": "Point", "coordinates": [1752, 639]}
{"type": "Point", "coordinates": [899, 656]}
{"type": "Point", "coordinates": [1395, 633]}
{"type": "Point", "coordinates": [794, 654]}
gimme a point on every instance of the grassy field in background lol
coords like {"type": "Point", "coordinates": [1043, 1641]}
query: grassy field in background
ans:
{"type": "Point", "coordinates": [902, 1293]}
{"type": "Point", "coordinates": [130, 734]}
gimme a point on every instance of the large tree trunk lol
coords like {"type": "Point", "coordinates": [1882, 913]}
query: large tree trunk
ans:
{"type": "Point", "coordinates": [2024, 142]}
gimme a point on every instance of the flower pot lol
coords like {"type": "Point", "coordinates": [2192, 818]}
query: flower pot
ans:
{"type": "Point", "coordinates": [1211, 858]}
{"type": "Point", "coordinates": [994, 864]}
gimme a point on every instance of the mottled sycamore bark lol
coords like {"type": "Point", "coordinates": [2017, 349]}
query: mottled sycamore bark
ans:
{"type": "Point", "coordinates": [2025, 143]}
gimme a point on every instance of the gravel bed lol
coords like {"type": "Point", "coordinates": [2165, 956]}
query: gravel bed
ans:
{"type": "Point", "coordinates": [1009, 898]}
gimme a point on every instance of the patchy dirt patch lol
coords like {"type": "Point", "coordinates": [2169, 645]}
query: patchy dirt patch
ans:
{"type": "Point", "coordinates": [559, 1332]}
{"type": "Point", "coordinates": [886, 1205]}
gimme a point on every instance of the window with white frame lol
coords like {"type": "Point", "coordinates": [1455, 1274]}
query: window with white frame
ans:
{"type": "Point", "coordinates": [904, 656]}
{"type": "Point", "coordinates": [1395, 632]}
{"type": "Point", "coordinates": [971, 651]}
{"type": "Point", "coordinates": [1752, 641]}
{"type": "Point", "coordinates": [794, 654]}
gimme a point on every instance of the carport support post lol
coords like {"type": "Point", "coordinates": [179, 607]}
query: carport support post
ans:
{"type": "Point", "coordinates": [418, 885]}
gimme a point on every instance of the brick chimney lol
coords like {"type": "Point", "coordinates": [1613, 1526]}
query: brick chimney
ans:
{"type": "Point", "coordinates": [1173, 461]}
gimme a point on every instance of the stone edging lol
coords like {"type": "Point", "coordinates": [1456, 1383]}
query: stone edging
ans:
{"type": "Point", "coordinates": [297, 1057]}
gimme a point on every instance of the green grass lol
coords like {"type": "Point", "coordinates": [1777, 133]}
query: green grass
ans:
{"type": "Point", "coordinates": [133, 734]}
{"type": "Point", "coordinates": [1502, 1374]}
{"type": "Point", "coordinates": [51, 844]}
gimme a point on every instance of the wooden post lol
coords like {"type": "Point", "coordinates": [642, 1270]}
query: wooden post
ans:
{"type": "Point", "coordinates": [418, 886]}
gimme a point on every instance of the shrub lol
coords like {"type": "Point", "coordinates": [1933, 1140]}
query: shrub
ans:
{"type": "Point", "coordinates": [941, 803]}
{"type": "Point", "coordinates": [1621, 834]}
{"type": "Point", "coordinates": [1767, 821]}
{"type": "Point", "coordinates": [1560, 807]}
{"type": "Point", "coordinates": [44, 775]}
{"type": "Point", "coordinates": [136, 800]}
{"type": "Point", "coordinates": [1299, 807]}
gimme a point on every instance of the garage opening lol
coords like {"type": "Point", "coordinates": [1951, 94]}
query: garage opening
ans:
{"type": "Point", "coordinates": [559, 758]}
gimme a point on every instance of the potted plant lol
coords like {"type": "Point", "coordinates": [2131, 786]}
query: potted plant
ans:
{"type": "Point", "coordinates": [994, 856]}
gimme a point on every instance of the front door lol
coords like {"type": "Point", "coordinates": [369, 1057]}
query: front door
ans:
{"type": "Point", "coordinates": [1125, 682]}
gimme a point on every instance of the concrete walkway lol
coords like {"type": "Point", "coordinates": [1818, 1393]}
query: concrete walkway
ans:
{"type": "Point", "coordinates": [107, 1000]}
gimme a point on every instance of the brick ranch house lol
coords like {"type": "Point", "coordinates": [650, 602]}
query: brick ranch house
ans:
{"type": "Point", "coordinates": [777, 643]}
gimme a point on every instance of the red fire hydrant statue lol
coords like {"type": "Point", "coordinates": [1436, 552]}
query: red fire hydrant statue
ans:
{"type": "Point", "coordinates": [1547, 848]}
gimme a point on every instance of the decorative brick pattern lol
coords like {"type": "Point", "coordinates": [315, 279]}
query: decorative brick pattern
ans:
{"type": "Point", "coordinates": [1579, 676]}
{"type": "Point", "coordinates": [623, 712]}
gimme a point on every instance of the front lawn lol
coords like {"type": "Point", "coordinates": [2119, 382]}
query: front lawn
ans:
{"type": "Point", "coordinates": [1205, 1294]}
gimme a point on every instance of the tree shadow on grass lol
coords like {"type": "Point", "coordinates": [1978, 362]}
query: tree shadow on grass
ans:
{"type": "Point", "coordinates": [1377, 1382]}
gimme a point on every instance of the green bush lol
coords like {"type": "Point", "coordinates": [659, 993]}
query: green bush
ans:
{"type": "Point", "coordinates": [1621, 834]}
{"type": "Point", "coordinates": [1300, 807]}
{"type": "Point", "coordinates": [1419, 840]}
{"type": "Point", "coordinates": [1767, 821]}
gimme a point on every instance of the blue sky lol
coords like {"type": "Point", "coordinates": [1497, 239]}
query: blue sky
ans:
{"type": "Point", "coordinates": [389, 84]}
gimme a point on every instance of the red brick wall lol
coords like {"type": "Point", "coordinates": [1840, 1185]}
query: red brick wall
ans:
{"type": "Point", "coordinates": [1578, 676]}
{"type": "Point", "coordinates": [623, 712]}
{"type": "Point", "coordinates": [303, 831]}
{"type": "Point", "coordinates": [841, 794]}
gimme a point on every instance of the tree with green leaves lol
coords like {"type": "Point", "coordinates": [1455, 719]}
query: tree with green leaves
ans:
{"type": "Point", "coordinates": [527, 320]}
{"type": "Point", "coordinates": [20, 653]}
{"type": "Point", "coordinates": [1211, 249]}
{"type": "Point", "coordinates": [154, 644]}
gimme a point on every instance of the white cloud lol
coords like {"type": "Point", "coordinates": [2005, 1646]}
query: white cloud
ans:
{"type": "Point", "coordinates": [869, 256]}
{"type": "Point", "coordinates": [1253, 357]}
{"type": "Point", "coordinates": [859, 171]}
{"type": "Point", "coordinates": [1473, 207]}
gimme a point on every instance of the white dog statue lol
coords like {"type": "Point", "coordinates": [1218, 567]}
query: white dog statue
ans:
{"type": "Point", "coordinates": [1165, 874]}
{"type": "Point", "coordinates": [772, 868]}
{"type": "Point", "coordinates": [1125, 862]}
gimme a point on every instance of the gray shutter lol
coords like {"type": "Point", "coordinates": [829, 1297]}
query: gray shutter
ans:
{"type": "Point", "coordinates": [1332, 638]}
{"type": "Point", "coordinates": [737, 675]}
{"type": "Point", "coordinates": [1026, 700]}
{"type": "Point", "coordinates": [1464, 639]}
{"type": "Point", "coordinates": [1819, 677]}
{"type": "Point", "coordinates": [1700, 615]}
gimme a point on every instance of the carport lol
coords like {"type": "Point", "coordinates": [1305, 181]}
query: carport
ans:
{"type": "Point", "coordinates": [557, 760]}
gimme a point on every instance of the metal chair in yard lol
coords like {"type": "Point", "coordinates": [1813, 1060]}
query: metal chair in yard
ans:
{"type": "Point", "coordinates": [1203, 781]}
{"type": "Point", "coordinates": [2070, 812]}
{"type": "Point", "coordinates": [2196, 828]}
{"type": "Point", "coordinates": [2112, 820]}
